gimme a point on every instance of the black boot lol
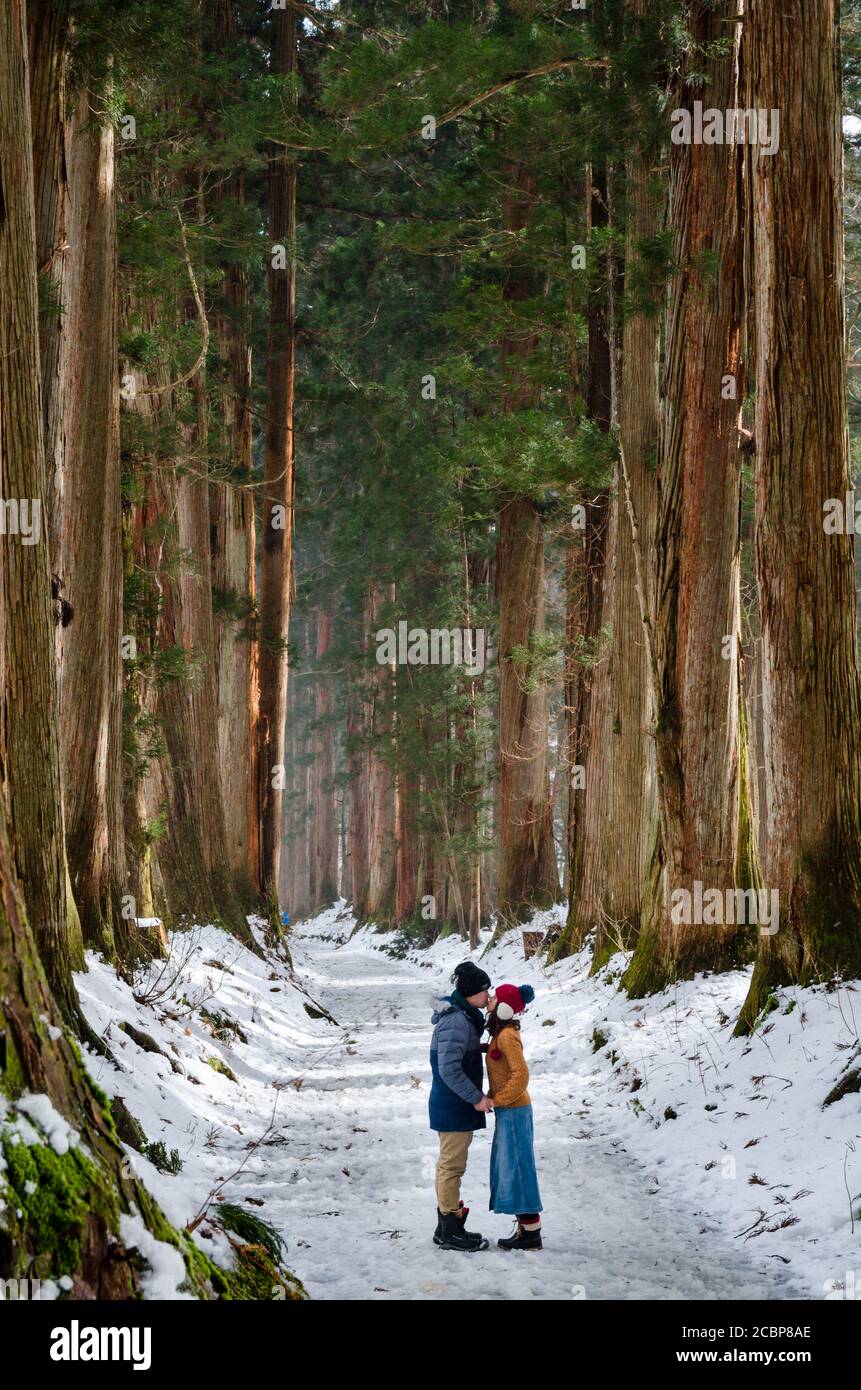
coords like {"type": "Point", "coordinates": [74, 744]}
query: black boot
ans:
{"type": "Point", "coordinates": [522, 1240]}
{"type": "Point", "coordinates": [453, 1235]}
{"type": "Point", "coordinates": [462, 1214]}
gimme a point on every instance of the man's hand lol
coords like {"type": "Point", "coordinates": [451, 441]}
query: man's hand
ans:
{"type": "Point", "coordinates": [485, 1104]}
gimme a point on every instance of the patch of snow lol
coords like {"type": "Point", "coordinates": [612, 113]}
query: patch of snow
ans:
{"type": "Point", "coordinates": [165, 1269]}
{"type": "Point", "coordinates": [49, 1290]}
{"type": "Point", "coordinates": [39, 1108]}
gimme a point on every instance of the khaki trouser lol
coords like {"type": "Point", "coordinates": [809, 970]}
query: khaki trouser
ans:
{"type": "Point", "coordinates": [451, 1166]}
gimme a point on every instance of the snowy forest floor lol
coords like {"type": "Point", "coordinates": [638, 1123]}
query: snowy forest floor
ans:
{"type": "Point", "coordinates": [675, 1162]}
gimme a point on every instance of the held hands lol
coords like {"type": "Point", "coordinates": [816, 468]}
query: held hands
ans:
{"type": "Point", "coordinates": [485, 1105]}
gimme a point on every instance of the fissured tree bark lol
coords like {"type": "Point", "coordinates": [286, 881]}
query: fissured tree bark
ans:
{"type": "Point", "coordinates": [89, 560]}
{"type": "Point", "coordinates": [528, 877]}
{"type": "Point", "coordinates": [810, 692]}
{"type": "Point", "coordinates": [278, 463]}
{"type": "Point", "coordinates": [699, 752]}
{"type": "Point", "coordinates": [28, 690]}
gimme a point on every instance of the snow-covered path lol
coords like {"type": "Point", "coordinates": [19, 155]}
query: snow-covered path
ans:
{"type": "Point", "coordinates": [353, 1187]}
{"type": "Point", "coordinates": [675, 1161]}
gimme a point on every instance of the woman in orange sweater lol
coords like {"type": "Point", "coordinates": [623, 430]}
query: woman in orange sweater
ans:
{"type": "Point", "coordinates": [513, 1179]}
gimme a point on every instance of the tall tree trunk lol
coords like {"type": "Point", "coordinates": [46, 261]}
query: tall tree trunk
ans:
{"type": "Point", "coordinates": [810, 711]}
{"type": "Point", "coordinates": [357, 767]}
{"type": "Point", "coordinates": [48, 25]}
{"type": "Point", "coordinates": [88, 1188]}
{"type": "Point", "coordinates": [183, 787]}
{"type": "Point", "coordinates": [48, 29]}
{"type": "Point", "coordinates": [698, 741]}
{"type": "Point", "coordinates": [632, 814]}
{"type": "Point", "coordinates": [297, 857]}
{"type": "Point", "coordinates": [90, 556]}
{"type": "Point", "coordinates": [180, 837]}
{"type": "Point", "coordinates": [575, 618]}
{"type": "Point", "coordinates": [469, 771]}
{"type": "Point", "coordinates": [234, 588]}
{"type": "Point", "coordinates": [278, 462]}
{"type": "Point", "coordinates": [324, 801]}
{"type": "Point", "coordinates": [528, 877]}
{"type": "Point", "coordinates": [591, 735]}
{"type": "Point", "coordinates": [232, 525]}
{"type": "Point", "coordinates": [589, 860]}
{"type": "Point", "coordinates": [382, 859]}
{"type": "Point", "coordinates": [28, 690]}
{"type": "Point", "coordinates": [406, 834]}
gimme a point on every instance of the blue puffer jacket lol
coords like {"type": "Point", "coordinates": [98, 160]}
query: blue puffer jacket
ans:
{"type": "Point", "coordinates": [458, 1073]}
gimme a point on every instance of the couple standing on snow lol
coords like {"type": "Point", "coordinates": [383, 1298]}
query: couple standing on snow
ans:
{"type": "Point", "coordinates": [458, 1107]}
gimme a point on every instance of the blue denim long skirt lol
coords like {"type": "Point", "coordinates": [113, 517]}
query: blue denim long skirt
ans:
{"type": "Point", "coordinates": [513, 1179]}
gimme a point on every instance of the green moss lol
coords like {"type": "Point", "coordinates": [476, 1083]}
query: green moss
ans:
{"type": "Point", "coordinates": [221, 1066]}
{"type": "Point", "coordinates": [203, 1273]}
{"type": "Point", "coordinates": [55, 1195]}
{"type": "Point", "coordinates": [645, 974]}
{"type": "Point", "coordinates": [257, 1277]}
{"type": "Point", "coordinates": [127, 1129]}
{"type": "Point", "coordinates": [12, 1079]}
{"type": "Point", "coordinates": [204, 1280]}
{"type": "Point", "coordinates": [50, 1201]}
{"type": "Point", "coordinates": [769, 973]}
{"type": "Point", "coordinates": [605, 948]}
{"type": "Point", "coordinates": [104, 1108]}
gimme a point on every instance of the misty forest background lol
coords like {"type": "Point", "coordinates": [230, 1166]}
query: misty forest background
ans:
{"type": "Point", "coordinates": [315, 320]}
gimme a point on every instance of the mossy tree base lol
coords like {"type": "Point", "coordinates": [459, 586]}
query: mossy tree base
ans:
{"type": "Point", "coordinates": [71, 1205]}
{"type": "Point", "coordinates": [61, 1219]}
{"type": "Point", "coordinates": [819, 938]}
{"type": "Point", "coordinates": [660, 960]}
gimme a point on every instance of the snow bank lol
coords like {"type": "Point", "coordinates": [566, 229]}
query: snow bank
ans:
{"type": "Point", "coordinates": [221, 1033]}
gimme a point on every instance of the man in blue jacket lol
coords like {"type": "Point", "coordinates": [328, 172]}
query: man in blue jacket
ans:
{"type": "Point", "coordinates": [457, 1104]}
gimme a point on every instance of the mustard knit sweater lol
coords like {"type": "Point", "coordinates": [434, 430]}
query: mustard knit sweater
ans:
{"type": "Point", "coordinates": [508, 1075]}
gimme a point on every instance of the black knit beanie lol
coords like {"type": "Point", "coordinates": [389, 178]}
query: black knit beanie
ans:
{"type": "Point", "coordinates": [469, 979]}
